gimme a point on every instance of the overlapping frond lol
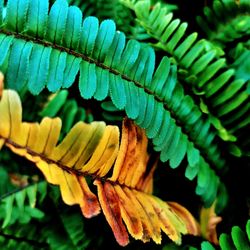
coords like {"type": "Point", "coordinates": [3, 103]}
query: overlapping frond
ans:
{"type": "Point", "coordinates": [225, 98]}
{"type": "Point", "coordinates": [226, 21]}
{"type": "Point", "coordinates": [67, 109]}
{"type": "Point", "coordinates": [57, 49]}
{"type": "Point", "coordinates": [121, 173]}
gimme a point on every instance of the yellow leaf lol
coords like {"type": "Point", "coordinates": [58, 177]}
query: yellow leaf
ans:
{"type": "Point", "coordinates": [95, 151]}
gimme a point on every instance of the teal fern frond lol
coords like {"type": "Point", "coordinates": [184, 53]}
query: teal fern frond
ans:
{"type": "Point", "coordinates": [113, 9]}
{"type": "Point", "coordinates": [201, 68]}
{"type": "Point", "coordinates": [226, 21]}
{"type": "Point", "coordinates": [57, 49]}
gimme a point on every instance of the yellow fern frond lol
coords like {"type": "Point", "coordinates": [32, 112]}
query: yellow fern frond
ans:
{"type": "Point", "coordinates": [117, 167]}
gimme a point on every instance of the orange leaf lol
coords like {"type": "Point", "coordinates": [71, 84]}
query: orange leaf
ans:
{"type": "Point", "coordinates": [111, 208]}
{"type": "Point", "coordinates": [209, 221]}
{"type": "Point", "coordinates": [90, 206]}
{"type": "Point", "coordinates": [95, 150]}
{"type": "Point", "coordinates": [191, 224]}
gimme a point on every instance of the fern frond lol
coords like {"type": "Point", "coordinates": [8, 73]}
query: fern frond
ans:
{"type": "Point", "coordinates": [238, 239]}
{"type": "Point", "coordinates": [226, 21]}
{"type": "Point", "coordinates": [22, 204]}
{"type": "Point", "coordinates": [11, 243]}
{"type": "Point", "coordinates": [200, 67]}
{"type": "Point", "coordinates": [124, 196]}
{"type": "Point", "coordinates": [67, 109]}
{"type": "Point", "coordinates": [53, 55]}
{"type": "Point", "coordinates": [45, 234]}
{"type": "Point", "coordinates": [87, 7]}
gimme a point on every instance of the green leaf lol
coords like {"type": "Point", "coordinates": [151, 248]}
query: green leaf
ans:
{"type": "Point", "coordinates": [56, 70]}
{"type": "Point", "coordinates": [180, 152]}
{"type": "Point", "coordinates": [148, 112]}
{"type": "Point", "coordinates": [226, 242]}
{"type": "Point", "coordinates": [39, 68]}
{"type": "Point", "coordinates": [191, 171]}
{"type": "Point", "coordinates": [205, 245]}
{"type": "Point", "coordinates": [53, 106]}
{"type": "Point", "coordinates": [73, 28]}
{"type": "Point", "coordinates": [171, 146]}
{"type": "Point", "coordinates": [88, 36]}
{"type": "Point", "coordinates": [102, 84]}
{"type": "Point", "coordinates": [117, 92]}
{"type": "Point", "coordinates": [8, 210]}
{"type": "Point", "coordinates": [32, 194]}
{"type": "Point", "coordinates": [193, 155]}
{"type": "Point", "coordinates": [132, 104]}
{"type": "Point", "coordinates": [104, 39]}
{"type": "Point", "coordinates": [14, 9]}
{"type": "Point", "coordinates": [5, 43]}
{"type": "Point", "coordinates": [35, 212]}
{"type": "Point", "coordinates": [71, 69]}
{"type": "Point", "coordinates": [20, 199]}
{"type": "Point", "coordinates": [87, 84]}
{"type": "Point", "coordinates": [239, 238]}
{"type": "Point", "coordinates": [18, 73]}
{"type": "Point", "coordinates": [57, 21]}
{"type": "Point", "coordinates": [37, 18]}
{"type": "Point", "coordinates": [157, 120]}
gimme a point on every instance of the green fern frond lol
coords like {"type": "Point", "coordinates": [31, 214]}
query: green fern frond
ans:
{"type": "Point", "coordinates": [51, 50]}
{"type": "Point", "coordinates": [226, 21]}
{"type": "Point", "coordinates": [14, 243]}
{"type": "Point", "coordinates": [238, 239]}
{"type": "Point", "coordinates": [19, 205]}
{"type": "Point", "coordinates": [110, 112]}
{"type": "Point", "coordinates": [200, 67]}
{"type": "Point", "coordinates": [67, 109]}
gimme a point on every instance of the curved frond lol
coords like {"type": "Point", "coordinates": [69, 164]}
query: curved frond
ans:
{"type": "Point", "coordinates": [58, 48]}
{"type": "Point", "coordinates": [226, 21]}
{"type": "Point", "coordinates": [201, 67]}
{"type": "Point", "coordinates": [120, 172]}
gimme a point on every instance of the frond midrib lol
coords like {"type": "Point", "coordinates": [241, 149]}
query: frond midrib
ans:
{"type": "Point", "coordinates": [115, 72]}
{"type": "Point", "coordinates": [65, 167]}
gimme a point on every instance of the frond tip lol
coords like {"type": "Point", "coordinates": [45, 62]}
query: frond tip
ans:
{"type": "Point", "coordinates": [124, 187]}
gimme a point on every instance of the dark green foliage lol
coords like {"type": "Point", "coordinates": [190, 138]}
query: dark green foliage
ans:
{"type": "Point", "coordinates": [59, 105]}
{"type": "Point", "coordinates": [226, 21]}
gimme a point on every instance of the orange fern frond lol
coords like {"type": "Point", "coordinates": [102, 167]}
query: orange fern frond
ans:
{"type": "Point", "coordinates": [118, 167]}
